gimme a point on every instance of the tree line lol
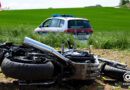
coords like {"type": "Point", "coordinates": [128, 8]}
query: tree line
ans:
{"type": "Point", "coordinates": [123, 2]}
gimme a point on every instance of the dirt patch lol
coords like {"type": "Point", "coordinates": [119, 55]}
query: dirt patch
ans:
{"type": "Point", "coordinates": [99, 84]}
{"type": "Point", "coordinates": [116, 55]}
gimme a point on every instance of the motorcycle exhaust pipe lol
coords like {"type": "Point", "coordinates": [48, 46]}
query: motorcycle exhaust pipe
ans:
{"type": "Point", "coordinates": [120, 74]}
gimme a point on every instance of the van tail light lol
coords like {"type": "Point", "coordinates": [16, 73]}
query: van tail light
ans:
{"type": "Point", "coordinates": [78, 30]}
{"type": "Point", "coordinates": [91, 30]}
{"type": "Point", "coordinates": [69, 31]}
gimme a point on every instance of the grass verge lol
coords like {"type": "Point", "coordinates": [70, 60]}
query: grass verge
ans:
{"type": "Point", "coordinates": [111, 40]}
{"type": "Point", "coordinates": [103, 40]}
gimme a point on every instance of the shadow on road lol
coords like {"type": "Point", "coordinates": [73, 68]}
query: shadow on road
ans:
{"type": "Point", "coordinates": [69, 85]}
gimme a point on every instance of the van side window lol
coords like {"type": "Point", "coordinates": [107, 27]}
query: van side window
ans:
{"type": "Point", "coordinates": [55, 23]}
{"type": "Point", "coordinates": [61, 23]}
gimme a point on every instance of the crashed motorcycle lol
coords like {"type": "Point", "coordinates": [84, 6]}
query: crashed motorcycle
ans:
{"type": "Point", "coordinates": [34, 61]}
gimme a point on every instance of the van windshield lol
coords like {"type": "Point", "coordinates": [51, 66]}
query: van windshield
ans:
{"type": "Point", "coordinates": [79, 24]}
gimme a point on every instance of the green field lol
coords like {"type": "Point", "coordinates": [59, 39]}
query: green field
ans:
{"type": "Point", "coordinates": [100, 18]}
{"type": "Point", "coordinates": [107, 22]}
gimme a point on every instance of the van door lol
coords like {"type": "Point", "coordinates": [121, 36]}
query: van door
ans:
{"type": "Point", "coordinates": [56, 25]}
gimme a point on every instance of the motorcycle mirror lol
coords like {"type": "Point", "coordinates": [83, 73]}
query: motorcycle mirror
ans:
{"type": "Point", "coordinates": [75, 44]}
{"type": "Point", "coordinates": [62, 49]}
{"type": "Point", "coordinates": [91, 49]}
{"type": "Point", "coordinates": [69, 44]}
